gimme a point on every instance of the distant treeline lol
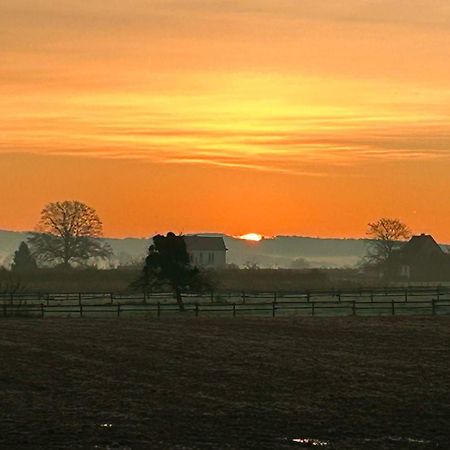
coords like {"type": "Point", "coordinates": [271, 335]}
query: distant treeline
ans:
{"type": "Point", "coordinates": [232, 279]}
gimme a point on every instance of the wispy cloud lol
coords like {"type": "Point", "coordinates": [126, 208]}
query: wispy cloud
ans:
{"type": "Point", "coordinates": [272, 146]}
{"type": "Point", "coordinates": [266, 85]}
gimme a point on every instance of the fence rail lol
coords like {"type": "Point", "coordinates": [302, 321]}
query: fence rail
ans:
{"type": "Point", "coordinates": [372, 295]}
{"type": "Point", "coordinates": [274, 309]}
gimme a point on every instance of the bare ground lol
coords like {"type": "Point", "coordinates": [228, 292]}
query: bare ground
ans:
{"type": "Point", "coordinates": [358, 383]}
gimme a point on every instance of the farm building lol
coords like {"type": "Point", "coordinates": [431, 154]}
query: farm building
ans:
{"type": "Point", "coordinates": [206, 251]}
{"type": "Point", "coordinates": [420, 259]}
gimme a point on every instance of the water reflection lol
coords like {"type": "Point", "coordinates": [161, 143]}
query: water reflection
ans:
{"type": "Point", "coordinates": [309, 442]}
{"type": "Point", "coordinates": [400, 440]}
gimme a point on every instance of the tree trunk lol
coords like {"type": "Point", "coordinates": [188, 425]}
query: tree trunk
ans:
{"type": "Point", "coordinates": [66, 257]}
{"type": "Point", "coordinates": [179, 299]}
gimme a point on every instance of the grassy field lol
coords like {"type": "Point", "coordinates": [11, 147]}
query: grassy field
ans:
{"type": "Point", "coordinates": [357, 383]}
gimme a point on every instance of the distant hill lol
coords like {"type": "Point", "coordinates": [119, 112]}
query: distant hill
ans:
{"type": "Point", "coordinates": [296, 251]}
{"type": "Point", "coordinates": [126, 251]}
{"type": "Point", "coordinates": [279, 251]}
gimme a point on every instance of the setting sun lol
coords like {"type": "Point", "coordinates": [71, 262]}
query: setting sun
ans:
{"type": "Point", "coordinates": [192, 105]}
{"type": "Point", "coordinates": [255, 237]}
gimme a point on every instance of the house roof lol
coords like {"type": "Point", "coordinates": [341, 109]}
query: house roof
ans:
{"type": "Point", "coordinates": [206, 243]}
{"type": "Point", "coordinates": [423, 246]}
{"type": "Point", "coordinates": [426, 259]}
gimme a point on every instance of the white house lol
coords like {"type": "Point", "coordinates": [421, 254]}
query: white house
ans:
{"type": "Point", "coordinates": [206, 251]}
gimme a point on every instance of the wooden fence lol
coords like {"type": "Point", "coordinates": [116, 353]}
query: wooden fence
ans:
{"type": "Point", "coordinates": [361, 295]}
{"type": "Point", "coordinates": [386, 301]}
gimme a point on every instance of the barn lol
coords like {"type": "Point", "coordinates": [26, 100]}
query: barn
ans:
{"type": "Point", "coordinates": [420, 259]}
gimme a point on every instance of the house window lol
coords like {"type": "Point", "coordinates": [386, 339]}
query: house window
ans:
{"type": "Point", "coordinates": [200, 258]}
{"type": "Point", "coordinates": [405, 271]}
{"type": "Point", "coordinates": [211, 258]}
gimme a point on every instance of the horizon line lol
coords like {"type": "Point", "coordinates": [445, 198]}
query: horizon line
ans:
{"type": "Point", "coordinates": [361, 238]}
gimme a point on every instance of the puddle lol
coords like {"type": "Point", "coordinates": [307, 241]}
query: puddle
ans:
{"type": "Point", "coordinates": [316, 443]}
{"type": "Point", "coordinates": [108, 447]}
{"type": "Point", "coordinates": [401, 440]}
{"type": "Point", "coordinates": [308, 442]}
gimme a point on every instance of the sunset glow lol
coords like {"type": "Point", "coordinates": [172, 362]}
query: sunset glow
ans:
{"type": "Point", "coordinates": [309, 118]}
{"type": "Point", "coordinates": [254, 237]}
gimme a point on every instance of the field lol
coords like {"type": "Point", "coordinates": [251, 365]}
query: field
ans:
{"type": "Point", "coordinates": [356, 383]}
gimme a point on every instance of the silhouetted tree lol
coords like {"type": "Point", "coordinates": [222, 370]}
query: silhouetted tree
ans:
{"type": "Point", "coordinates": [23, 260]}
{"type": "Point", "coordinates": [68, 232]}
{"type": "Point", "coordinates": [167, 264]}
{"type": "Point", "coordinates": [385, 234]}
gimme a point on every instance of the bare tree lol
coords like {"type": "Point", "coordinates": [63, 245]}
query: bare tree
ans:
{"type": "Point", "coordinates": [385, 234]}
{"type": "Point", "coordinates": [68, 232]}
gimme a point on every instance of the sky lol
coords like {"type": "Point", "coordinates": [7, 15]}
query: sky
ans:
{"type": "Point", "coordinates": [269, 116]}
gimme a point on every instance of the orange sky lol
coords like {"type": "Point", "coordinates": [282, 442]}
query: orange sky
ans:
{"type": "Point", "coordinates": [272, 116]}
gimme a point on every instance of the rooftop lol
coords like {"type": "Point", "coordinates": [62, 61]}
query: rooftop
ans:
{"type": "Point", "coordinates": [206, 243]}
{"type": "Point", "coordinates": [421, 246]}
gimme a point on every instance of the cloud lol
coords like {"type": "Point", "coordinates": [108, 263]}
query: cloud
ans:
{"type": "Point", "coordinates": [115, 45]}
{"type": "Point", "coordinates": [269, 85]}
{"type": "Point", "coordinates": [275, 145]}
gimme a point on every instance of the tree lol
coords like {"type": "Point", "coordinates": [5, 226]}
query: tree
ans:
{"type": "Point", "coordinates": [23, 260]}
{"type": "Point", "coordinates": [167, 264]}
{"type": "Point", "coordinates": [68, 232]}
{"type": "Point", "coordinates": [385, 234]}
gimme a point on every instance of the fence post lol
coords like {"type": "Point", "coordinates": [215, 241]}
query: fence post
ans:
{"type": "Point", "coordinates": [339, 296]}
{"type": "Point", "coordinates": [354, 307]}
{"type": "Point", "coordinates": [158, 310]}
{"type": "Point", "coordinates": [308, 297]}
{"type": "Point", "coordinates": [406, 295]}
{"type": "Point", "coordinates": [118, 309]}
{"type": "Point", "coordinates": [145, 296]}
{"type": "Point", "coordinates": [81, 310]}
{"type": "Point", "coordinates": [243, 298]}
{"type": "Point", "coordinates": [313, 308]}
{"type": "Point", "coordinates": [433, 306]}
{"type": "Point", "coordinates": [111, 296]}
{"type": "Point", "coordinates": [212, 296]}
{"type": "Point", "coordinates": [275, 297]}
{"type": "Point", "coordinates": [393, 307]}
{"type": "Point", "coordinates": [42, 310]}
{"type": "Point", "coordinates": [371, 297]}
{"type": "Point", "coordinates": [196, 310]}
{"type": "Point", "coordinates": [274, 308]}
{"type": "Point", "coordinates": [234, 309]}
{"type": "Point", "coordinates": [79, 298]}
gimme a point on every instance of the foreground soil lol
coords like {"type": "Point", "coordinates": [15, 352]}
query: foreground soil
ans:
{"type": "Point", "coordinates": [357, 383]}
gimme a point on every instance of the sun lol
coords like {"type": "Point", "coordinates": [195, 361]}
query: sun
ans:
{"type": "Point", "coordinates": [254, 237]}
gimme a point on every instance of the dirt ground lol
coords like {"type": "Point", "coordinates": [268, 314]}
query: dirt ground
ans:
{"type": "Point", "coordinates": [356, 383]}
